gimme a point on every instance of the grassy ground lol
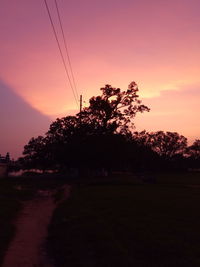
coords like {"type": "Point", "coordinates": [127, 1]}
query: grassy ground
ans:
{"type": "Point", "coordinates": [13, 192]}
{"type": "Point", "coordinates": [128, 223]}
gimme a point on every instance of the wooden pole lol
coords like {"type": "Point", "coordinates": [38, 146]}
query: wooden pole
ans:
{"type": "Point", "coordinates": [81, 105]}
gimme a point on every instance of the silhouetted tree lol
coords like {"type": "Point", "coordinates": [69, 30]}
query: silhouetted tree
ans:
{"type": "Point", "coordinates": [7, 158]}
{"type": "Point", "coordinates": [166, 144]}
{"type": "Point", "coordinates": [36, 154]}
{"type": "Point", "coordinates": [95, 137]}
{"type": "Point", "coordinates": [193, 154]}
{"type": "Point", "coordinates": [114, 110]}
{"type": "Point", "coordinates": [194, 150]}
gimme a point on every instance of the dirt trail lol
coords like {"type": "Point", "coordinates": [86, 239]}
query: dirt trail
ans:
{"type": "Point", "coordinates": [28, 247]}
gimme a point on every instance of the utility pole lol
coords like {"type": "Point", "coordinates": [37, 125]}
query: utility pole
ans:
{"type": "Point", "coordinates": [81, 105]}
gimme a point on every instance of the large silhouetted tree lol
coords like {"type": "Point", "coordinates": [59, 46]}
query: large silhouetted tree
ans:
{"type": "Point", "coordinates": [114, 110]}
{"type": "Point", "coordinates": [92, 137]}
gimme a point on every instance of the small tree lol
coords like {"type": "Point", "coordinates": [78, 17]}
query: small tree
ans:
{"type": "Point", "coordinates": [36, 154]}
{"type": "Point", "coordinates": [194, 150]}
{"type": "Point", "coordinates": [193, 153]}
{"type": "Point", "coordinates": [166, 144]}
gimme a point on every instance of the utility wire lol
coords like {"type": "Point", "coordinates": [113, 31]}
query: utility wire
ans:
{"type": "Point", "coordinates": [59, 47]}
{"type": "Point", "coordinates": [66, 47]}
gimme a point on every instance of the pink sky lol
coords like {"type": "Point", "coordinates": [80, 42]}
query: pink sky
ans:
{"type": "Point", "coordinates": [154, 43]}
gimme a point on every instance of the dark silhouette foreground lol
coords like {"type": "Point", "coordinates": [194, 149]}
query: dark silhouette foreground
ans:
{"type": "Point", "coordinates": [102, 137]}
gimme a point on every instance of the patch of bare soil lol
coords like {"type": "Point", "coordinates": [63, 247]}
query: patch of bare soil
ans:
{"type": "Point", "coordinates": [28, 247]}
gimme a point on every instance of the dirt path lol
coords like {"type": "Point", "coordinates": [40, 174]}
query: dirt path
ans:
{"type": "Point", "coordinates": [28, 247]}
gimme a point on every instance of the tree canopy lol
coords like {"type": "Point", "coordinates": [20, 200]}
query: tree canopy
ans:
{"type": "Point", "coordinates": [102, 135]}
{"type": "Point", "coordinates": [114, 110]}
{"type": "Point", "coordinates": [93, 136]}
{"type": "Point", "coordinates": [194, 150]}
{"type": "Point", "coordinates": [166, 144]}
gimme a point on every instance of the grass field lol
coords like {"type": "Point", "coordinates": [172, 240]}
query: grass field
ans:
{"type": "Point", "coordinates": [125, 222]}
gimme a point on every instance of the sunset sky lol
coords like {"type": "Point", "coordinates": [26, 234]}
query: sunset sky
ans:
{"type": "Point", "coordinates": [154, 43]}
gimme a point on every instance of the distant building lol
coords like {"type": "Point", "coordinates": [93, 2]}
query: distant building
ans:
{"type": "Point", "coordinates": [4, 162]}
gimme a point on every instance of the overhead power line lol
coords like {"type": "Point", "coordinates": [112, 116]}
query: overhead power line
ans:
{"type": "Point", "coordinates": [60, 50]}
{"type": "Point", "coordinates": [66, 47]}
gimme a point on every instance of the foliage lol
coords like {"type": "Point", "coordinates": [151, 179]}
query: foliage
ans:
{"type": "Point", "coordinates": [194, 150]}
{"type": "Point", "coordinates": [113, 110]}
{"type": "Point", "coordinates": [97, 136]}
{"type": "Point", "coordinates": [36, 154]}
{"type": "Point", "coordinates": [101, 136]}
{"type": "Point", "coordinates": [166, 144]}
{"type": "Point", "coordinates": [193, 155]}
